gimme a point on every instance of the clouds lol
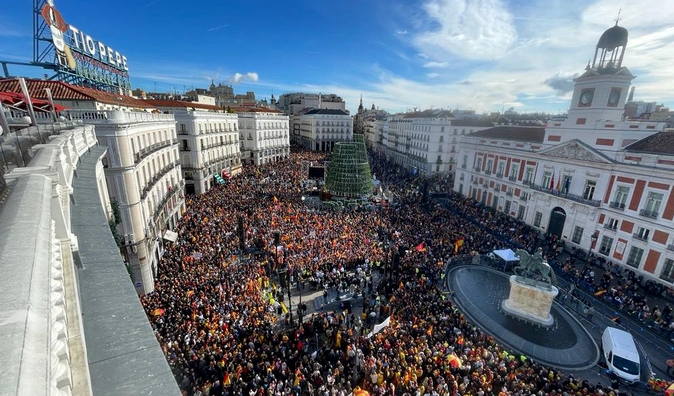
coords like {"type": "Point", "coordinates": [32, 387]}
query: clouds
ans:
{"type": "Point", "coordinates": [471, 29]}
{"type": "Point", "coordinates": [435, 64]}
{"type": "Point", "coordinates": [238, 77]}
{"type": "Point", "coordinates": [562, 84]}
{"type": "Point", "coordinates": [213, 29]}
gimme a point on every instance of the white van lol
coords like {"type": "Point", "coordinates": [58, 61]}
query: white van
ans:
{"type": "Point", "coordinates": [620, 352]}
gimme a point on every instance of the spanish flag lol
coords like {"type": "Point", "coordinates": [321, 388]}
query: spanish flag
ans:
{"type": "Point", "coordinates": [227, 381]}
{"type": "Point", "coordinates": [190, 293]}
{"type": "Point", "coordinates": [458, 244]}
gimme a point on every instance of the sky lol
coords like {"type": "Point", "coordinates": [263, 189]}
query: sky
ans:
{"type": "Point", "coordinates": [483, 55]}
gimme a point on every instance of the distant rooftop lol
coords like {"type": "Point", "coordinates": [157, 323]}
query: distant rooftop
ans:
{"type": "Point", "coordinates": [180, 103]}
{"type": "Point", "coordinates": [518, 133]}
{"type": "Point", "coordinates": [433, 113]}
{"type": "Point", "coordinates": [472, 123]}
{"type": "Point", "coordinates": [659, 143]}
{"type": "Point", "coordinates": [327, 112]}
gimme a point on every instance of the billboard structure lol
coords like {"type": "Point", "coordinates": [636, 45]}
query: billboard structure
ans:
{"type": "Point", "coordinates": [75, 56]}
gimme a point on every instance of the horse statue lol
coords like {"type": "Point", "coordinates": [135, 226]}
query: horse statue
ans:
{"type": "Point", "coordinates": [535, 264]}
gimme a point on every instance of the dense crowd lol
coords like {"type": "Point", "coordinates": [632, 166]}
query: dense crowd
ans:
{"type": "Point", "coordinates": [213, 307]}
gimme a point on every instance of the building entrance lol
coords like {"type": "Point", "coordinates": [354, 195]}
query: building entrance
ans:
{"type": "Point", "coordinates": [557, 220]}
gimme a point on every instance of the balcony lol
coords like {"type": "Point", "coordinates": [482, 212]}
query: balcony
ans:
{"type": "Point", "coordinates": [183, 132]}
{"type": "Point", "coordinates": [512, 178]}
{"type": "Point", "coordinates": [670, 247]}
{"type": "Point", "coordinates": [610, 227]}
{"type": "Point", "coordinates": [499, 175]}
{"type": "Point", "coordinates": [651, 214]}
{"type": "Point", "coordinates": [572, 197]}
{"type": "Point", "coordinates": [477, 169]}
{"type": "Point", "coordinates": [640, 237]}
{"type": "Point", "coordinates": [509, 193]}
{"type": "Point", "coordinates": [524, 198]}
{"type": "Point", "coordinates": [617, 205]}
{"type": "Point", "coordinates": [487, 172]}
{"type": "Point", "coordinates": [463, 166]}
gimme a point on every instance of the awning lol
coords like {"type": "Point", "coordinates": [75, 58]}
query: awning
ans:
{"type": "Point", "coordinates": [507, 255]}
{"type": "Point", "coordinates": [171, 236]}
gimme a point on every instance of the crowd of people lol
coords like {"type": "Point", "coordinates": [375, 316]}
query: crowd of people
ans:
{"type": "Point", "coordinates": [213, 307]}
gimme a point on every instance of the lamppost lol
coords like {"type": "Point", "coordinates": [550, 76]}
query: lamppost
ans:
{"type": "Point", "coordinates": [593, 239]}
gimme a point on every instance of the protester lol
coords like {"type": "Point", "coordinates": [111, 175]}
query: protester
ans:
{"type": "Point", "coordinates": [214, 307]}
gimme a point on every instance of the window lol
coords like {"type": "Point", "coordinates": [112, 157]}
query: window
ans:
{"type": "Point", "coordinates": [529, 175]}
{"type": "Point", "coordinates": [514, 171]}
{"type": "Point", "coordinates": [612, 224]}
{"type": "Point", "coordinates": [590, 186]}
{"type": "Point", "coordinates": [479, 164]}
{"type": "Point", "coordinates": [577, 234]}
{"type": "Point", "coordinates": [606, 245]}
{"type": "Point", "coordinates": [520, 212]}
{"type": "Point", "coordinates": [667, 272]}
{"type": "Point", "coordinates": [634, 258]}
{"type": "Point", "coordinates": [490, 165]}
{"type": "Point", "coordinates": [642, 233]}
{"type": "Point", "coordinates": [566, 183]}
{"type": "Point", "coordinates": [537, 219]}
{"type": "Point", "coordinates": [652, 205]}
{"type": "Point", "coordinates": [501, 169]}
{"type": "Point", "coordinates": [547, 179]}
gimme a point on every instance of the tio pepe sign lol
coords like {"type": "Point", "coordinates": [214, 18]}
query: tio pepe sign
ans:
{"type": "Point", "coordinates": [79, 42]}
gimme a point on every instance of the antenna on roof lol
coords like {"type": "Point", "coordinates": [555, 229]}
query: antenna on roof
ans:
{"type": "Point", "coordinates": [618, 18]}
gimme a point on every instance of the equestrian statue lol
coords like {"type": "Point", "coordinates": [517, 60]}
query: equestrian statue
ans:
{"type": "Point", "coordinates": [535, 264]}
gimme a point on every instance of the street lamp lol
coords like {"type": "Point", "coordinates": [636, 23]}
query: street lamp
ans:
{"type": "Point", "coordinates": [593, 239]}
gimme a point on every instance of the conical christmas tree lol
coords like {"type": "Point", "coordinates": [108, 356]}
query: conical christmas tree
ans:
{"type": "Point", "coordinates": [349, 174]}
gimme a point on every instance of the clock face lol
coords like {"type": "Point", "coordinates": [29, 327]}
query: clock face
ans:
{"type": "Point", "coordinates": [586, 97]}
{"type": "Point", "coordinates": [614, 97]}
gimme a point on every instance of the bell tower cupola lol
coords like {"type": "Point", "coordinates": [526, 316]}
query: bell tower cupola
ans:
{"type": "Point", "coordinates": [600, 92]}
{"type": "Point", "coordinates": [610, 49]}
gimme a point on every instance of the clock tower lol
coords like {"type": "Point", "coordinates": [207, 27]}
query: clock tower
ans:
{"type": "Point", "coordinates": [600, 92]}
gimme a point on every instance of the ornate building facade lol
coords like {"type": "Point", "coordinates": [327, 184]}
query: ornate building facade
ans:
{"type": "Point", "coordinates": [595, 179]}
{"type": "Point", "coordinates": [264, 135]}
{"type": "Point", "coordinates": [208, 140]}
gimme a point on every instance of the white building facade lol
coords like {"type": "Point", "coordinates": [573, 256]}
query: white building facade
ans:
{"type": "Point", "coordinates": [144, 179]}
{"type": "Point", "coordinates": [320, 129]}
{"type": "Point", "coordinates": [208, 140]}
{"type": "Point", "coordinates": [425, 142]}
{"type": "Point", "coordinates": [264, 136]}
{"type": "Point", "coordinates": [595, 180]}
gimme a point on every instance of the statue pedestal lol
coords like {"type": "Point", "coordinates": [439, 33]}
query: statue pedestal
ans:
{"type": "Point", "coordinates": [530, 302]}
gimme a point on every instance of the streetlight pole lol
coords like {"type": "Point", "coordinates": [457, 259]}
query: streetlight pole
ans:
{"type": "Point", "coordinates": [593, 242]}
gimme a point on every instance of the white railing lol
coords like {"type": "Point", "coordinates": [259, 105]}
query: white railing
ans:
{"type": "Point", "coordinates": [116, 116]}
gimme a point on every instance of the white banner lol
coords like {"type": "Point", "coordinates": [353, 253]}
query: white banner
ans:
{"type": "Point", "coordinates": [377, 328]}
